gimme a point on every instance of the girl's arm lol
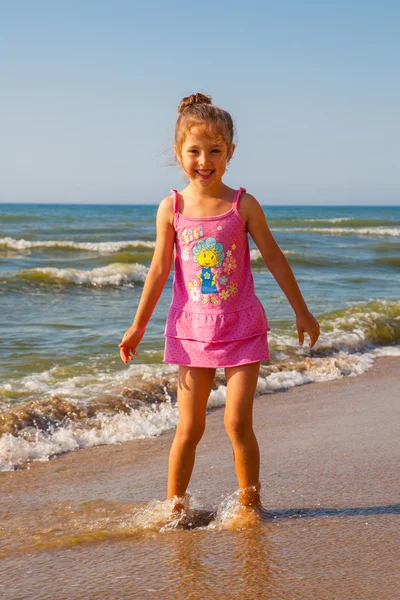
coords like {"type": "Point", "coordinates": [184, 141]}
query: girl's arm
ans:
{"type": "Point", "coordinates": [276, 262]}
{"type": "Point", "coordinates": [155, 281]}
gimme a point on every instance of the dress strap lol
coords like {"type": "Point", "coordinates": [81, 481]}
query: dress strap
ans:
{"type": "Point", "coordinates": [176, 201]}
{"type": "Point", "coordinates": [237, 197]}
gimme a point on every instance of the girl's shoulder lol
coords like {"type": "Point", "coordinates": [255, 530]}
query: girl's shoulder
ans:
{"type": "Point", "coordinates": [166, 209]}
{"type": "Point", "coordinates": [247, 206]}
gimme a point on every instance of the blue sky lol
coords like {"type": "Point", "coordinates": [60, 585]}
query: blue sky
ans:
{"type": "Point", "coordinates": [89, 92]}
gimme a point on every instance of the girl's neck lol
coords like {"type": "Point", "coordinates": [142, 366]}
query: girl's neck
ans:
{"type": "Point", "coordinates": [218, 190]}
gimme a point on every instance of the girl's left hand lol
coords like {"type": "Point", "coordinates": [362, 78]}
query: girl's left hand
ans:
{"type": "Point", "coordinates": [307, 323]}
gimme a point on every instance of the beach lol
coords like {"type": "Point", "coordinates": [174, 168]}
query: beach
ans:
{"type": "Point", "coordinates": [104, 132]}
{"type": "Point", "coordinates": [89, 523]}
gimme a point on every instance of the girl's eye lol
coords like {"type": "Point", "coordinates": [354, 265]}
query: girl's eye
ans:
{"type": "Point", "coordinates": [215, 151]}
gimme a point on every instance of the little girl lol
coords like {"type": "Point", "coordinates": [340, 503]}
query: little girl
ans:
{"type": "Point", "coordinates": [215, 318]}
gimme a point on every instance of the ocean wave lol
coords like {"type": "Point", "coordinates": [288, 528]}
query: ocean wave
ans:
{"type": "Point", "coordinates": [386, 246]}
{"type": "Point", "coordinates": [115, 274]}
{"type": "Point", "coordinates": [41, 430]}
{"type": "Point", "coordinates": [388, 261]}
{"type": "Point", "coordinates": [9, 218]}
{"type": "Point", "coordinates": [334, 220]}
{"type": "Point", "coordinates": [88, 410]}
{"type": "Point", "coordinates": [255, 254]}
{"type": "Point", "coordinates": [106, 247]}
{"type": "Point", "coordinates": [33, 443]}
{"type": "Point", "coordinates": [127, 257]}
{"type": "Point", "coordinates": [71, 408]}
{"type": "Point", "coordinates": [376, 323]}
{"type": "Point", "coordinates": [350, 221]}
{"type": "Point", "coordinates": [377, 231]}
{"type": "Point", "coordinates": [322, 222]}
{"type": "Point", "coordinates": [308, 260]}
{"type": "Point", "coordinates": [358, 328]}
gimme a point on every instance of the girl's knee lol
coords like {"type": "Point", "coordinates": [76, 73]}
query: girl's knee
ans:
{"type": "Point", "coordinates": [237, 428]}
{"type": "Point", "coordinates": [190, 434]}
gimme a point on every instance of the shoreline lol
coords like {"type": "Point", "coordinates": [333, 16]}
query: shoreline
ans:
{"type": "Point", "coordinates": [128, 454]}
{"type": "Point", "coordinates": [329, 456]}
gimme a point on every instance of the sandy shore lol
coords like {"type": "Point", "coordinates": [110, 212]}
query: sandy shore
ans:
{"type": "Point", "coordinates": [329, 471]}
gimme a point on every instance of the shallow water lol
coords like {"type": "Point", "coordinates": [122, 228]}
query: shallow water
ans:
{"type": "Point", "coordinates": [109, 550]}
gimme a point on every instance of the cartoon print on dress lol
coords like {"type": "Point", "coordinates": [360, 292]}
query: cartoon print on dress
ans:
{"type": "Point", "coordinates": [185, 254]}
{"type": "Point", "coordinates": [209, 254]}
{"type": "Point", "coordinates": [229, 266]}
{"type": "Point", "coordinates": [189, 235]}
{"type": "Point", "coordinates": [230, 262]}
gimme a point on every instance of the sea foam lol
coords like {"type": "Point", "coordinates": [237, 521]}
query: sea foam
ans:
{"type": "Point", "coordinates": [104, 247]}
{"type": "Point", "coordinates": [114, 274]}
{"type": "Point", "coordinates": [378, 231]}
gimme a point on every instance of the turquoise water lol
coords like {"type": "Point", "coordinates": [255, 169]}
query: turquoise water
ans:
{"type": "Point", "coordinates": [71, 278]}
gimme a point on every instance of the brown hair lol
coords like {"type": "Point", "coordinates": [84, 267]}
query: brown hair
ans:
{"type": "Point", "coordinates": [198, 109]}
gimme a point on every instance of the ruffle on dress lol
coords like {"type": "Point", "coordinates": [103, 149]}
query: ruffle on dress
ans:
{"type": "Point", "coordinates": [216, 354]}
{"type": "Point", "coordinates": [217, 327]}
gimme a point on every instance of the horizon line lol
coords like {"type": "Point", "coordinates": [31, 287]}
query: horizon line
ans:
{"type": "Point", "coordinates": [151, 204]}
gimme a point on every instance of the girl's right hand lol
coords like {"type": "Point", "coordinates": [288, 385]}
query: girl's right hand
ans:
{"type": "Point", "coordinates": [130, 341]}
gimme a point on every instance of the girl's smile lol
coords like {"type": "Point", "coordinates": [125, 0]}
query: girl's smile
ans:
{"type": "Point", "coordinates": [205, 174]}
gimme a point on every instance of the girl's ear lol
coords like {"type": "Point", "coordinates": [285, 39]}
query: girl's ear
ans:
{"type": "Point", "coordinates": [178, 154]}
{"type": "Point", "coordinates": [231, 151]}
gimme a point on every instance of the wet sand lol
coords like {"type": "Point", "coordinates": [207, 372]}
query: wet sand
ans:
{"type": "Point", "coordinates": [330, 452]}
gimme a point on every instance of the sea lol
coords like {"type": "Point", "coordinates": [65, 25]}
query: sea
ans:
{"type": "Point", "coordinates": [71, 277]}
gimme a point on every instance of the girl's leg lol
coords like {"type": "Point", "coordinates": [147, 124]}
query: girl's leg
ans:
{"type": "Point", "coordinates": [241, 387]}
{"type": "Point", "coordinates": [194, 387]}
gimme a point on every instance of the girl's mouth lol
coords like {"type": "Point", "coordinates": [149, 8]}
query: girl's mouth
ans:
{"type": "Point", "coordinates": [205, 174]}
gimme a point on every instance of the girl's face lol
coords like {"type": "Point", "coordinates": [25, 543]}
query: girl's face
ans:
{"type": "Point", "coordinates": [203, 156]}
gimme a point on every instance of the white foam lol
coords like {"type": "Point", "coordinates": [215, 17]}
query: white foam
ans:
{"type": "Point", "coordinates": [106, 247]}
{"type": "Point", "coordinates": [358, 328]}
{"type": "Point", "coordinates": [115, 274]}
{"type": "Point", "coordinates": [82, 388]}
{"type": "Point", "coordinates": [147, 422]}
{"type": "Point", "coordinates": [334, 220]}
{"type": "Point", "coordinates": [256, 254]}
{"type": "Point", "coordinates": [284, 380]}
{"type": "Point", "coordinates": [36, 445]}
{"type": "Point", "coordinates": [379, 231]}
{"type": "Point", "coordinates": [217, 397]}
{"type": "Point", "coordinates": [386, 351]}
{"type": "Point", "coordinates": [316, 370]}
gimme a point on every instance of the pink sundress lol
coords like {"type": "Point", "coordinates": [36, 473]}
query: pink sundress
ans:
{"type": "Point", "coordinates": [215, 318]}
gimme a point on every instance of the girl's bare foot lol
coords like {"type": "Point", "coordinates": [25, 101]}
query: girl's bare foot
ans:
{"type": "Point", "coordinates": [243, 518]}
{"type": "Point", "coordinates": [248, 509]}
{"type": "Point", "coordinates": [178, 508]}
{"type": "Point", "coordinates": [180, 505]}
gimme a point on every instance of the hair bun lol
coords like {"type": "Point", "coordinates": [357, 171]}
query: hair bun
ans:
{"type": "Point", "coordinates": [189, 101]}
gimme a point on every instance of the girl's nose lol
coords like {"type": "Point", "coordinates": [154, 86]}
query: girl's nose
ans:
{"type": "Point", "coordinates": [203, 160]}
